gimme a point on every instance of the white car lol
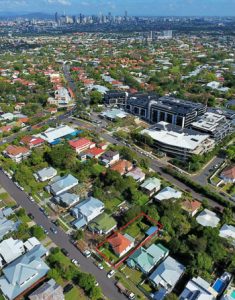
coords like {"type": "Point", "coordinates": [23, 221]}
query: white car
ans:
{"type": "Point", "coordinates": [75, 262]}
{"type": "Point", "coordinates": [100, 266]}
{"type": "Point", "coordinates": [111, 273]}
{"type": "Point", "coordinates": [31, 199]}
{"type": "Point", "coordinates": [87, 253]}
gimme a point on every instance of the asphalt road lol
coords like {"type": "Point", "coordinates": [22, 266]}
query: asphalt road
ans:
{"type": "Point", "coordinates": [58, 119]}
{"type": "Point", "coordinates": [202, 178]}
{"type": "Point", "coordinates": [61, 239]}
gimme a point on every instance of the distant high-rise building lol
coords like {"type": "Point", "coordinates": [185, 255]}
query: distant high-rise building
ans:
{"type": "Point", "coordinates": [56, 17]}
{"type": "Point", "coordinates": [126, 15]}
{"type": "Point", "coordinates": [167, 34]}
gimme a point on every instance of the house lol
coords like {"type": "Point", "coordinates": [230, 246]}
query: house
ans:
{"type": "Point", "coordinates": [228, 174]}
{"type": "Point", "coordinates": [191, 207]}
{"type": "Point", "coordinates": [228, 232]}
{"type": "Point", "coordinates": [10, 249]}
{"type": "Point", "coordinates": [94, 152]}
{"type": "Point", "coordinates": [17, 153]}
{"type": "Point", "coordinates": [81, 145]}
{"type": "Point", "coordinates": [145, 259]}
{"type": "Point", "coordinates": [67, 199]}
{"type": "Point", "coordinates": [137, 174]}
{"type": "Point", "coordinates": [7, 226]}
{"type": "Point", "coordinates": [54, 135]}
{"type": "Point", "coordinates": [198, 288]}
{"type": "Point", "coordinates": [32, 142]}
{"type": "Point", "coordinates": [50, 290]}
{"type": "Point", "coordinates": [45, 174]}
{"type": "Point", "coordinates": [86, 211]}
{"type": "Point", "coordinates": [23, 273]}
{"type": "Point", "coordinates": [168, 193]}
{"type": "Point", "coordinates": [121, 244]}
{"type": "Point", "coordinates": [208, 218]}
{"type": "Point", "coordinates": [114, 114]}
{"type": "Point", "coordinates": [109, 158]}
{"type": "Point", "coordinates": [151, 186]}
{"type": "Point", "coordinates": [103, 224]}
{"type": "Point", "coordinates": [122, 166]}
{"type": "Point", "coordinates": [62, 184]}
{"type": "Point", "coordinates": [31, 243]}
{"type": "Point", "coordinates": [166, 275]}
{"type": "Point", "coordinates": [7, 117]}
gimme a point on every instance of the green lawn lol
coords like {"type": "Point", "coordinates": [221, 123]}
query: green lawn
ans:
{"type": "Point", "coordinates": [110, 255]}
{"type": "Point", "coordinates": [112, 204]}
{"type": "Point", "coordinates": [75, 294]}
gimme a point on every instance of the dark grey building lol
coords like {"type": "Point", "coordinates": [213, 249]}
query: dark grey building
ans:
{"type": "Point", "coordinates": [115, 98]}
{"type": "Point", "coordinates": [172, 110]}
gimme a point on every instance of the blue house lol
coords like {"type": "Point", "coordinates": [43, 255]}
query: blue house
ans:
{"type": "Point", "coordinates": [86, 211]}
{"type": "Point", "coordinates": [23, 272]}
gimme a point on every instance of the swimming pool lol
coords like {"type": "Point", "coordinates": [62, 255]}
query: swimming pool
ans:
{"type": "Point", "coordinates": [219, 286]}
{"type": "Point", "coordinates": [233, 294]}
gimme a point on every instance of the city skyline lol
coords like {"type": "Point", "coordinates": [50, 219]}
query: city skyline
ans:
{"type": "Point", "coordinates": [117, 7]}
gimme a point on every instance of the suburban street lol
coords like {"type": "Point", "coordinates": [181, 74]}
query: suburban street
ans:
{"type": "Point", "coordinates": [156, 165]}
{"type": "Point", "coordinates": [61, 239]}
{"type": "Point", "coordinates": [203, 176]}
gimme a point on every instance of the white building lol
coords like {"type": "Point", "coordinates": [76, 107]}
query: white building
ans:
{"type": "Point", "coordinates": [228, 232]}
{"type": "Point", "coordinates": [177, 141]}
{"type": "Point", "coordinates": [168, 193]}
{"type": "Point", "coordinates": [199, 289]}
{"type": "Point", "coordinates": [208, 218]}
{"type": "Point", "coordinates": [53, 134]}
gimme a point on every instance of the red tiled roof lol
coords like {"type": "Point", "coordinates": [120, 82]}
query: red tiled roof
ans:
{"type": "Point", "coordinates": [119, 242]}
{"type": "Point", "coordinates": [229, 172]}
{"type": "Point", "coordinates": [16, 150]}
{"type": "Point", "coordinates": [27, 140]}
{"type": "Point", "coordinates": [122, 166]}
{"type": "Point", "coordinates": [191, 206]}
{"type": "Point", "coordinates": [80, 143]}
{"type": "Point", "coordinates": [95, 151]}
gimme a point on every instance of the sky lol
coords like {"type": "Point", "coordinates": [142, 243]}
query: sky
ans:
{"type": "Point", "coordinates": [117, 7]}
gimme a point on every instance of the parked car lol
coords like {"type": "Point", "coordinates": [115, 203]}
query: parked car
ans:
{"type": "Point", "coordinates": [65, 252]}
{"type": "Point", "coordinates": [68, 288]}
{"type": "Point", "coordinates": [75, 262]}
{"type": "Point", "coordinates": [53, 230]}
{"type": "Point", "coordinates": [110, 273]}
{"type": "Point", "coordinates": [100, 266]}
{"type": "Point", "coordinates": [125, 291]}
{"type": "Point", "coordinates": [31, 216]}
{"type": "Point", "coordinates": [87, 253]}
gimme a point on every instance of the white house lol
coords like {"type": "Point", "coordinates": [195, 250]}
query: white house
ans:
{"type": "Point", "coordinates": [208, 218]}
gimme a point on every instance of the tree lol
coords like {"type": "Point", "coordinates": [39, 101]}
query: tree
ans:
{"type": "Point", "coordinates": [95, 293]}
{"type": "Point", "coordinates": [38, 232]}
{"type": "Point", "coordinates": [86, 281]}
{"type": "Point", "coordinates": [227, 216]}
{"type": "Point", "coordinates": [78, 235]}
{"type": "Point", "coordinates": [204, 262]}
{"type": "Point", "coordinates": [62, 156]}
{"type": "Point", "coordinates": [96, 97]}
{"type": "Point", "coordinates": [53, 273]}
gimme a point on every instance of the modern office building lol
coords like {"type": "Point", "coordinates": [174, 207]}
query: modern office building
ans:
{"type": "Point", "coordinates": [115, 98]}
{"type": "Point", "coordinates": [217, 126]}
{"type": "Point", "coordinates": [168, 109]}
{"type": "Point", "coordinates": [179, 142]}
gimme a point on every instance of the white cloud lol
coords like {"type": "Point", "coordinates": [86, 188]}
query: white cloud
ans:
{"type": "Point", "coordinates": [61, 2]}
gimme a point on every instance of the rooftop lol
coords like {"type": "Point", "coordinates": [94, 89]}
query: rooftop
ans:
{"type": "Point", "coordinates": [176, 136]}
{"type": "Point", "coordinates": [208, 218]}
